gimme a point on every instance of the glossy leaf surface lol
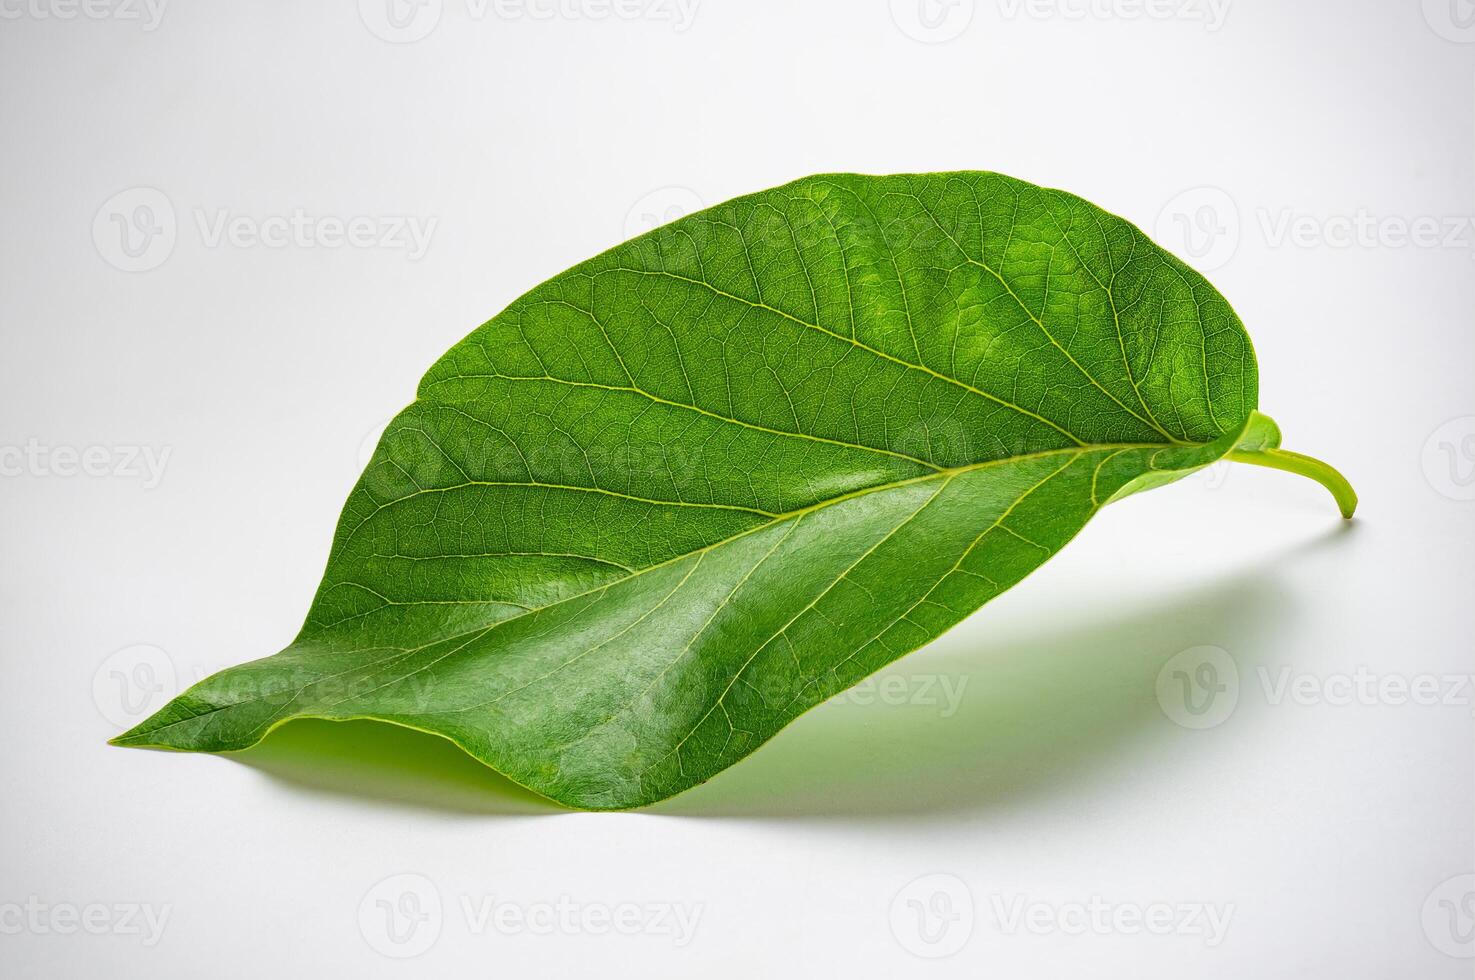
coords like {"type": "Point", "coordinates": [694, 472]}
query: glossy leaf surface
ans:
{"type": "Point", "coordinates": [674, 497]}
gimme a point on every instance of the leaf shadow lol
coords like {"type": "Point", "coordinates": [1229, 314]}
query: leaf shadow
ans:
{"type": "Point", "coordinates": [390, 765]}
{"type": "Point", "coordinates": [1041, 711]}
{"type": "Point", "coordinates": [1044, 707]}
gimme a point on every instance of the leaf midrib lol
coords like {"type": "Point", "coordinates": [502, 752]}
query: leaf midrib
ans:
{"type": "Point", "coordinates": [776, 519]}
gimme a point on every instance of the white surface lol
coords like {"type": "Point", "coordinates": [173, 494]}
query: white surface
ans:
{"type": "Point", "coordinates": [1327, 833]}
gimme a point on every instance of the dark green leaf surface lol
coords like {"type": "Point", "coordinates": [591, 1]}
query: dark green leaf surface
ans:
{"type": "Point", "coordinates": [672, 498]}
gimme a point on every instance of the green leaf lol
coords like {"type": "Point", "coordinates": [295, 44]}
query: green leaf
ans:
{"type": "Point", "coordinates": [674, 497]}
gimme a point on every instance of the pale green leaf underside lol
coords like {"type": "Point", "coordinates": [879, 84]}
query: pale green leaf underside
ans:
{"type": "Point", "coordinates": [672, 498]}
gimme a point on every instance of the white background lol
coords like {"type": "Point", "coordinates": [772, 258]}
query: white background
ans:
{"type": "Point", "coordinates": [1336, 837]}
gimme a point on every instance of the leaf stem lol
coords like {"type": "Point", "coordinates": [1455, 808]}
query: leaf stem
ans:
{"type": "Point", "coordinates": [1284, 459]}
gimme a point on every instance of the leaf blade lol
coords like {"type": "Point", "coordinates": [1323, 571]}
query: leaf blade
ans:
{"type": "Point", "coordinates": [732, 408]}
